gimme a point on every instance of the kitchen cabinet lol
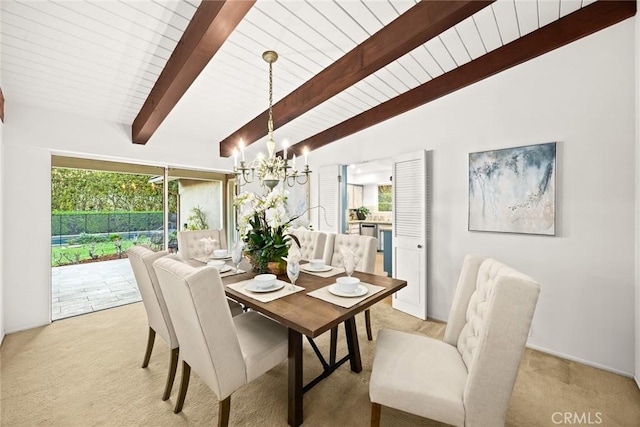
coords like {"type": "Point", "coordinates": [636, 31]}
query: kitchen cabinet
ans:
{"type": "Point", "coordinates": [353, 228]}
{"type": "Point", "coordinates": [354, 196]}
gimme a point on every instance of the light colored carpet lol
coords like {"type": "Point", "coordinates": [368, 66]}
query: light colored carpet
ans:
{"type": "Point", "coordinates": [86, 371]}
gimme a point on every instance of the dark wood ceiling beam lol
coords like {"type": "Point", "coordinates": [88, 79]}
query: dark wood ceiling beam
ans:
{"type": "Point", "coordinates": [570, 28]}
{"type": "Point", "coordinates": [413, 28]}
{"type": "Point", "coordinates": [208, 30]}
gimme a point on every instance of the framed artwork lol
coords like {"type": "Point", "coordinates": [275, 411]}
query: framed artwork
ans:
{"type": "Point", "coordinates": [513, 190]}
{"type": "Point", "coordinates": [298, 203]}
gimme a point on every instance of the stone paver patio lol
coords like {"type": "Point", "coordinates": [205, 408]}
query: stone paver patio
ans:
{"type": "Point", "coordinates": [84, 288]}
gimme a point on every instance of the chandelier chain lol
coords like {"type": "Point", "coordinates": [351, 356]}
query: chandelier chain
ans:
{"type": "Point", "coordinates": [270, 100]}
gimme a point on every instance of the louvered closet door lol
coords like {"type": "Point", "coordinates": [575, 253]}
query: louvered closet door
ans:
{"type": "Point", "coordinates": [410, 232]}
{"type": "Point", "coordinates": [330, 197]}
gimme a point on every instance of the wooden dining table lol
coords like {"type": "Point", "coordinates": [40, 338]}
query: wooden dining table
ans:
{"type": "Point", "coordinates": [306, 315]}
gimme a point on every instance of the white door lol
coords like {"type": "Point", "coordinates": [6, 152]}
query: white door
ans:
{"type": "Point", "coordinates": [331, 195]}
{"type": "Point", "coordinates": [409, 242]}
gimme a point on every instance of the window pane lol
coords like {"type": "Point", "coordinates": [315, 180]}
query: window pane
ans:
{"type": "Point", "coordinates": [384, 198]}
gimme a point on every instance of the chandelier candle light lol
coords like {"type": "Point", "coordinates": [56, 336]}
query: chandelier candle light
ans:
{"type": "Point", "coordinates": [273, 169]}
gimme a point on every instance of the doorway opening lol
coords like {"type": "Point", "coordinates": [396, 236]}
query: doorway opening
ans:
{"type": "Point", "coordinates": [99, 209]}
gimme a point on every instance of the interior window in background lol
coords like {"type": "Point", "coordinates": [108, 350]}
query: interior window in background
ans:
{"type": "Point", "coordinates": [384, 198]}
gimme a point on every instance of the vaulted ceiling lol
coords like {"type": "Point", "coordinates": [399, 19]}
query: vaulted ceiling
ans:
{"type": "Point", "coordinates": [102, 58]}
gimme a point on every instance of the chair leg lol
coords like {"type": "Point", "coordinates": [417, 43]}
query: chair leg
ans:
{"type": "Point", "coordinates": [173, 366]}
{"type": "Point", "coordinates": [150, 341]}
{"type": "Point", "coordinates": [333, 346]}
{"type": "Point", "coordinates": [184, 384]}
{"type": "Point", "coordinates": [224, 408]}
{"type": "Point", "coordinates": [375, 414]}
{"type": "Point", "coordinates": [367, 321]}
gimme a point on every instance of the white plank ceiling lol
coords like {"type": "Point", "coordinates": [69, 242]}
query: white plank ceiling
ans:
{"type": "Point", "coordinates": [101, 58]}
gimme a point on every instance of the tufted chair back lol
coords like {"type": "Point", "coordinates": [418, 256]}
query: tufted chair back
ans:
{"type": "Point", "coordinates": [365, 248]}
{"type": "Point", "coordinates": [203, 323]}
{"type": "Point", "coordinates": [190, 244]}
{"type": "Point", "coordinates": [225, 352]}
{"type": "Point", "coordinates": [312, 243]}
{"type": "Point", "coordinates": [467, 379]}
{"type": "Point", "coordinates": [489, 323]}
{"type": "Point", "coordinates": [142, 259]}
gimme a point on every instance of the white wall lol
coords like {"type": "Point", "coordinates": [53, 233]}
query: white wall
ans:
{"type": "Point", "coordinates": [1, 215]}
{"type": "Point", "coordinates": [27, 235]}
{"type": "Point", "coordinates": [379, 178]}
{"type": "Point", "coordinates": [2, 203]}
{"type": "Point", "coordinates": [637, 306]}
{"type": "Point", "coordinates": [579, 96]}
{"type": "Point", "coordinates": [370, 196]}
{"type": "Point", "coordinates": [204, 194]}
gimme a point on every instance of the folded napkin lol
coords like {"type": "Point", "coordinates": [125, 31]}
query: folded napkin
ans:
{"type": "Point", "coordinates": [210, 244]}
{"type": "Point", "coordinates": [294, 256]}
{"type": "Point", "coordinates": [349, 259]}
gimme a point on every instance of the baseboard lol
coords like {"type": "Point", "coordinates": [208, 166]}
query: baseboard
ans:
{"type": "Point", "coordinates": [24, 328]}
{"type": "Point", "coordinates": [637, 380]}
{"type": "Point", "coordinates": [568, 357]}
{"type": "Point", "coordinates": [582, 361]}
{"type": "Point", "coordinates": [437, 319]}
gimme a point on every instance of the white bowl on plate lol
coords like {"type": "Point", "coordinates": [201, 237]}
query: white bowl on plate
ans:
{"type": "Point", "coordinates": [347, 284]}
{"type": "Point", "coordinates": [265, 281]}
{"type": "Point", "coordinates": [216, 264]}
{"type": "Point", "coordinates": [316, 264]}
{"type": "Point", "coordinates": [219, 253]}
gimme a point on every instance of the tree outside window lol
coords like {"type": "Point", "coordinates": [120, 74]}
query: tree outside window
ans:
{"type": "Point", "coordinates": [384, 198]}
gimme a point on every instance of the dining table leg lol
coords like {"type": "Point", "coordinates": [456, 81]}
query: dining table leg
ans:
{"type": "Point", "coordinates": [295, 378]}
{"type": "Point", "coordinates": [352, 344]}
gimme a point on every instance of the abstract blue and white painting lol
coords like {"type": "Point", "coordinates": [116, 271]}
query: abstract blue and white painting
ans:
{"type": "Point", "coordinates": [298, 204]}
{"type": "Point", "coordinates": [513, 190]}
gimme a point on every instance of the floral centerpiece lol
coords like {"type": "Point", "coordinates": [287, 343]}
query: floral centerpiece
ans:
{"type": "Point", "coordinates": [262, 225]}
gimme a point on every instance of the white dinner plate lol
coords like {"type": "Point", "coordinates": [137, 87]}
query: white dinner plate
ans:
{"type": "Point", "coordinates": [252, 286]}
{"type": "Point", "coordinates": [224, 269]}
{"type": "Point", "coordinates": [307, 267]}
{"type": "Point", "coordinates": [360, 291]}
{"type": "Point", "coordinates": [221, 257]}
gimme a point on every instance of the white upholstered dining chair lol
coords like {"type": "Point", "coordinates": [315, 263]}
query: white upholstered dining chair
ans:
{"type": "Point", "coordinates": [365, 248]}
{"type": "Point", "coordinates": [467, 379]}
{"type": "Point", "coordinates": [312, 243]}
{"type": "Point", "coordinates": [226, 352]}
{"type": "Point", "coordinates": [141, 259]}
{"type": "Point", "coordinates": [191, 246]}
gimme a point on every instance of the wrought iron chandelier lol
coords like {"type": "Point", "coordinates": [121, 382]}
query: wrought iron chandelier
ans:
{"type": "Point", "coordinates": [272, 169]}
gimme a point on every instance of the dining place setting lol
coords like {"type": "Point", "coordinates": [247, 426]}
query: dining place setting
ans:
{"type": "Point", "coordinates": [345, 291]}
{"type": "Point", "coordinates": [317, 267]}
{"type": "Point", "coordinates": [219, 258]}
{"type": "Point", "coordinates": [348, 286]}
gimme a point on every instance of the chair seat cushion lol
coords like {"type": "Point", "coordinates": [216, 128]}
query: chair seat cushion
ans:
{"type": "Point", "coordinates": [419, 375]}
{"type": "Point", "coordinates": [263, 342]}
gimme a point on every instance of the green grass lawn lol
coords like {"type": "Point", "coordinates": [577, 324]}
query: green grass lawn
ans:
{"type": "Point", "coordinates": [63, 255]}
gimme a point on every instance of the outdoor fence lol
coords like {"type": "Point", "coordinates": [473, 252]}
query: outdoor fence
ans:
{"type": "Point", "coordinates": [65, 225]}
